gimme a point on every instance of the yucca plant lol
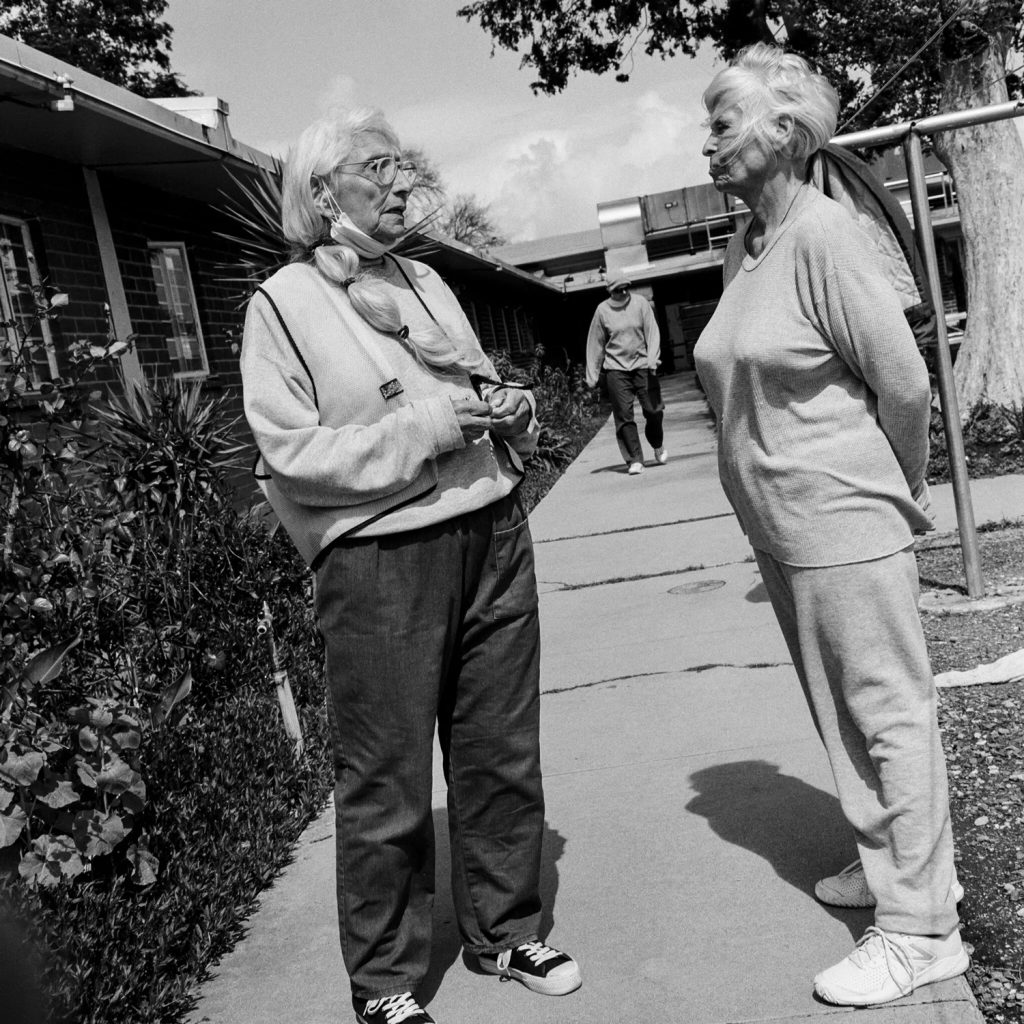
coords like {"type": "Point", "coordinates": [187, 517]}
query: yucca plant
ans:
{"type": "Point", "coordinates": [167, 451]}
{"type": "Point", "coordinates": [258, 241]}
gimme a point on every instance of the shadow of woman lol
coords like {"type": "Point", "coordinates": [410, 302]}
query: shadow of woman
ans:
{"type": "Point", "coordinates": [447, 943]}
{"type": "Point", "coordinates": [798, 829]}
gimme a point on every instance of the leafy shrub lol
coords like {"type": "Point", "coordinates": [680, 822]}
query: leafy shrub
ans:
{"type": "Point", "coordinates": [228, 802]}
{"type": "Point", "coordinates": [147, 789]}
{"type": "Point", "coordinates": [993, 443]}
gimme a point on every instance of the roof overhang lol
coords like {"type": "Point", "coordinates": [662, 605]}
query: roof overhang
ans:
{"type": "Point", "coordinates": [641, 273]}
{"type": "Point", "coordinates": [56, 110]}
{"type": "Point", "coordinates": [447, 255]}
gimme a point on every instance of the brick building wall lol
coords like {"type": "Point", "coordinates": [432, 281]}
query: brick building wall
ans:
{"type": "Point", "coordinates": [139, 217]}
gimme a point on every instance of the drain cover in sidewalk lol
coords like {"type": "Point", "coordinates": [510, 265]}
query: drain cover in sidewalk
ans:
{"type": "Point", "coordinates": [697, 588]}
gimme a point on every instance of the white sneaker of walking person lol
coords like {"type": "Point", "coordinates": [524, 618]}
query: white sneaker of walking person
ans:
{"type": "Point", "coordinates": [660, 456]}
{"type": "Point", "coordinates": [887, 965]}
{"type": "Point", "coordinates": [850, 888]}
{"type": "Point", "coordinates": [540, 968]}
{"type": "Point", "coordinates": [635, 468]}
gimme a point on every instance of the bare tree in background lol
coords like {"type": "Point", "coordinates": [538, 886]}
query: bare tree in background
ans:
{"type": "Point", "coordinates": [461, 217]}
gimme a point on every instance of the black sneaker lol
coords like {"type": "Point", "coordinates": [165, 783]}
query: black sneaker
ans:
{"type": "Point", "coordinates": [400, 1009]}
{"type": "Point", "coordinates": [540, 968]}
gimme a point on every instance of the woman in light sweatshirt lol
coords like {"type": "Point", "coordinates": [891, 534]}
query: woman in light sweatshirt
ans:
{"type": "Point", "coordinates": [822, 404]}
{"type": "Point", "coordinates": [391, 454]}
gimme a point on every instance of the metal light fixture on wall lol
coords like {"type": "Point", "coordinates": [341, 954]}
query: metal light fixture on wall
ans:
{"type": "Point", "coordinates": [64, 103]}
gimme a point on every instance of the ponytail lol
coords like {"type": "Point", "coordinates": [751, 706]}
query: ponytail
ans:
{"type": "Point", "coordinates": [371, 298]}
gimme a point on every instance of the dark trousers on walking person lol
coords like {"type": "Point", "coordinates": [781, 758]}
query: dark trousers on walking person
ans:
{"type": "Point", "coordinates": [623, 387]}
{"type": "Point", "coordinates": [437, 625]}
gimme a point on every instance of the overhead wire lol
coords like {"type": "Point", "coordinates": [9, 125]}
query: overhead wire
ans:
{"type": "Point", "coordinates": [906, 64]}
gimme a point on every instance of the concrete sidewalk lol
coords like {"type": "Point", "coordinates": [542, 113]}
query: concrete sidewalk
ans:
{"type": "Point", "coordinates": [690, 806]}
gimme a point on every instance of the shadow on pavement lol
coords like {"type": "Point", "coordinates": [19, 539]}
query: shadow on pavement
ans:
{"type": "Point", "coordinates": [797, 828]}
{"type": "Point", "coordinates": [447, 944]}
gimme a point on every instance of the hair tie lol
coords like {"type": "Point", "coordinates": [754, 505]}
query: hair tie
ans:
{"type": "Point", "coordinates": [348, 281]}
{"type": "Point", "coordinates": [403, 332]}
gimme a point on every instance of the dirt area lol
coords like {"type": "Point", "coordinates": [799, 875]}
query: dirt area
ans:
{"type": "Point", "coordinates": [983, 734]}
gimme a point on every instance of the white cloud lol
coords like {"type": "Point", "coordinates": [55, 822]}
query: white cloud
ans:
{"type": "Point", "coordinates": [275, 147]}
{"type": "Point", "coordinates": [341, 93]}
{"type": "Point", "coordinates": [547, 180]}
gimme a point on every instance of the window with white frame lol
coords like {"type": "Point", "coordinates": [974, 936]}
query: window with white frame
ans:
{"type": "Point", "coordinates": [18, 280]}
{"type": "Point", "coordinates": [174, 293]}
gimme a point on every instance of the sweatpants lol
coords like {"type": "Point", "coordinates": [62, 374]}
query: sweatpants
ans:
{"type": "Point", "coordinates": [434, 626]}
{"type": "Point", "coordinates": [623, 386]}
{"type": "Point", "coordinates": [856, 640]}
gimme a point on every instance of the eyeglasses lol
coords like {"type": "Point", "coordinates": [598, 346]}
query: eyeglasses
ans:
{"type": "Point", "coordinates": [384, 170]}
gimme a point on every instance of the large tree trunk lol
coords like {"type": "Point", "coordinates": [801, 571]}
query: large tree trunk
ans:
{"type": "Point", "coordinates": [987, 165]}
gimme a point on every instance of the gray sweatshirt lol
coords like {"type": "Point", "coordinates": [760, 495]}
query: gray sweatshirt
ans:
{"type": "Point", "coordinates": [821, 396]}
{"type": "Point", "coordinates": [622, 338]}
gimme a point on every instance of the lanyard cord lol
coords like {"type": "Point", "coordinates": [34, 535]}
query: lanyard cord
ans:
{"type": "Point", "coordinates": [412, 288]}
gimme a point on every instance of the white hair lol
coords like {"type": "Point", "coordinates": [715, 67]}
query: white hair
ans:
{"type": "Point", "coordinates": [312, 164]}
{"type": "Point", "coordinates": [764, 83]}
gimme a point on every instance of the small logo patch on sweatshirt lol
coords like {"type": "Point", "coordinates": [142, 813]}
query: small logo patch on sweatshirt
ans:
{"type": "Point", "coordinates": [391, 389]}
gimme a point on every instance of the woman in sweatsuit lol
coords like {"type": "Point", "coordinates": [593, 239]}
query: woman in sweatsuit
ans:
{"type": "Point", "coordinates": [391, 454]}
{"type": "Point", "coordinates": [822, 403]}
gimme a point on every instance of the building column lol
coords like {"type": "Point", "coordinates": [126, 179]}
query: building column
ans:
{"type": "Point", "coordinates": [120, 317]}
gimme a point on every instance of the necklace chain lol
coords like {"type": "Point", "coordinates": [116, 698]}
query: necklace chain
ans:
{"type": "Point", "coordinates": [746, 234]}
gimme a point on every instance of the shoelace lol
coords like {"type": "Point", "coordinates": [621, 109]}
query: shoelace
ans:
{"type": "Point", "coordinates": [396, 1008]}
{"type": "Point", "coordinates": [856, 868]}
{"type": "Point", "coordinates": [535, 951]}
{"type": "Point", "coordinates": [893, 951]}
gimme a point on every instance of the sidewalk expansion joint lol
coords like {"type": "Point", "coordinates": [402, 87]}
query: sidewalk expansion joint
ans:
{"type": "Point", "coordinates": [634, 529]}
{"type": "Point", "coordinates": [688, 670]}
{"type": "Point", "coordinates": [643, 575]}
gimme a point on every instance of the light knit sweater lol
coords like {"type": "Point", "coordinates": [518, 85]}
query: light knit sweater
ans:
{"type": "Point", "coordinates": [622, 337]}
{"type": "Point", "coordinates": [344, 453]}
{"type": "Point", "coordinates": [821, 397]}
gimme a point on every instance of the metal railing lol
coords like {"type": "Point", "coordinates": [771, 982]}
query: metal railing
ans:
{"type": "Point", "coordinates": [909, 134]}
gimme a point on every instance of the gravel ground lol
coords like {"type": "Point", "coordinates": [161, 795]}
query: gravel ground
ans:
{"type": "Point", "coordinates": [983, 734]}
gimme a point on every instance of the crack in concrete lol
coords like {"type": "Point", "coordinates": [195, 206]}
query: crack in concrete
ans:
{"type": "Point", "coordinates": [634, 529]}
{"type": "Point", "coordinates": [690, 669]}
{"type": "Point", "coordinates": [560, 587]}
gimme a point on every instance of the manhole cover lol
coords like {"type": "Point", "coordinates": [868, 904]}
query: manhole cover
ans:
{"type": "Point", "coordinates": [697, 588]}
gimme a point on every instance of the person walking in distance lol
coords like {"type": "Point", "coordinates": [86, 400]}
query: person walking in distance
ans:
{"type": "Point", "coordinates": [624, 341]}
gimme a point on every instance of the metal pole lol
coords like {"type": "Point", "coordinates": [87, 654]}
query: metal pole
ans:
{"type": "Point", "coordinates": [929, 125]}
{"type": "Point", "coordinates": [944, 369]}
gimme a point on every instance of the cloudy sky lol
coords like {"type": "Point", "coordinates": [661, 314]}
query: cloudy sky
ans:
{"type": "Point", "coordinates": [541, 163]}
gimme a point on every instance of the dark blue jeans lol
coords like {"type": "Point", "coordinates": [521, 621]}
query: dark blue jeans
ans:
{"type": "Point", "coordinates": [623, 387]}
{"type": "Point", "coordinates": [434, 625]}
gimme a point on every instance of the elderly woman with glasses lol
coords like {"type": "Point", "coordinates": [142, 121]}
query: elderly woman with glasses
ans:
{"type": "Point", "coordinates": [392, 455]}
{"type": "Point", "coordinates": [822, 404]}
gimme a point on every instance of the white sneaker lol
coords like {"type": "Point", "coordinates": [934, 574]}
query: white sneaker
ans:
{"type": "Point", "coordinates": [887, 965]}
{"type": "Point", "coordinates": [660, 456]}
{"type": "Point", "coordinates": [850, 888]}
{"type": "Point", "coordinates": [540, 968]}
{"type": "Point", "coordinates": [635, 468]}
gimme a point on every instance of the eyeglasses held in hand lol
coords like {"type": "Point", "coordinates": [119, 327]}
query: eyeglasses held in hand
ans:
{"type": "Point", "coordinates": [480, 382]}
{"type": "Point", "coordinates": [384, 170]}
